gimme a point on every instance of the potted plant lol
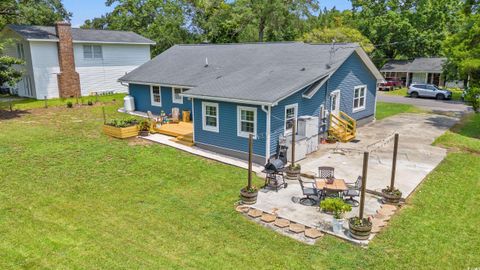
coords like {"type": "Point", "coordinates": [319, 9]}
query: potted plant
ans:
{"type": "Point", "coordinates": [121, 128]}
{"type": "Point", "coordinates": [359, 228]}
{"type": "Point", "coordinates": [331, 139]}
{"type": "Point", "coordinates": [337, 207]}
{"type": "Point", "coordinates": [144, 128]}
{"type": "Point", "coordinates": [249, 194]}
{"type": "Point", "coordinates": [391, 195]}
{"type": "Point", "coordinates": [293, 171]}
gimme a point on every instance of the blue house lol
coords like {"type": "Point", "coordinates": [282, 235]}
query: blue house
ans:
{"type": "Point", "coordinates": [233, 90]}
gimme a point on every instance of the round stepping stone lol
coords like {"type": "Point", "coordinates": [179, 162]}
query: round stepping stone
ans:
{"type": "Point", "coordinates": [282, 223]}
{"type": "Point", "coordinates": [268, 218]}
{"type": "Point", "coordinates": [313, 233]}
{"type": "Point", "coordinates": [254, 213]}
{"type": "Point", "coordinates": [297, 228]}
{"type": "Point", "coordinates": [242, 208]}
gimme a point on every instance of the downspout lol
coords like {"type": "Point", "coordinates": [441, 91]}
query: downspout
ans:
{"type": "Point", "coordinates": [267, 111]}
{"type": "Point", "coordinates": [193, 120]}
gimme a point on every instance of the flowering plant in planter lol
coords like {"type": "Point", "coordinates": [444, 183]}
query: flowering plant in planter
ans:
{"type": "Point", "coordinates": [144, 127]}
{"type": "Point", "coordinates": [391, 195]}
{"type": "Point", "coordinates": [337, 207]}
{"type": "Point", "coordinates": [360, 228]}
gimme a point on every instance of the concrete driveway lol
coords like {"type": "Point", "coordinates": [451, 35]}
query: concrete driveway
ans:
{"type": "Point", "coordinates": [426, 103]}
{"type": "Point", "coordinates": [416, 156]}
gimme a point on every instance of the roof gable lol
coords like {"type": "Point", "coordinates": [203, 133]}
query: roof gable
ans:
{"type": "Point", "coordinates": [420, 64]}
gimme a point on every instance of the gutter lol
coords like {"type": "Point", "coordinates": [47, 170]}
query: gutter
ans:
{"type": "Point", "coordinates": [242, 101]}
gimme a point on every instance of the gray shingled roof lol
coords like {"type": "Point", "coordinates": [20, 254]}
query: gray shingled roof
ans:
{"type": "Point", "coordinates": [260, 72]}
{"type": "Point", "coordinates": [424, 64]}
{"type": "Point", "coordinates": [78, 34]}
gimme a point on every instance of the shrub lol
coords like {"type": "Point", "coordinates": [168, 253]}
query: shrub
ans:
{"type": "Point", "coordinates": [69, 104]}
{"type": "Point", "coordinates": [473, 95]}
{"type": "Point", "coordinates": [335, 205]}
{"type": "Point", "coordinates": [144, 125]}
{"type": "Point", "coordinates": [90, 103]}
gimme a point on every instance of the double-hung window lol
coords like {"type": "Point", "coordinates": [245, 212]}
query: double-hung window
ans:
{"type": "Point", "coordinates": [246, 121]}
{"type": "Point", "coordinates": [156, 95]}
{"type": "Point", "coordinates": [359, 98]}
{"type": "Point", "coordinates": [210, 116]}
{"type": "Point", "coordinates": [92, 52]}
{"type": "Point", "coordinates": [176, 97]}
{"type": "Point", "coordinates": [291, 112]}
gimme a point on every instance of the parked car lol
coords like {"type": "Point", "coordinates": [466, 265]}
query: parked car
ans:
{"type": "Point", "coordinates": [390, 84]}
{"type": "Point", "coordinates": [428, 90]}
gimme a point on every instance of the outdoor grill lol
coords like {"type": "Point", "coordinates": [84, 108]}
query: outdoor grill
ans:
{"type": "Point", "coordinates": [274, 169]}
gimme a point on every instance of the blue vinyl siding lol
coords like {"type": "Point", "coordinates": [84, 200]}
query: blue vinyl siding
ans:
{"type": "Point", "coordinates": [352, 73]}
{"type": "Point", "coordinates": [227, 136]}
{"type": "Point", "coordinates": [143, 102]}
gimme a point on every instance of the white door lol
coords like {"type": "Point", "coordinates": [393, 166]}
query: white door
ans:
{"type": "Point", "coordinates": [335, 102]}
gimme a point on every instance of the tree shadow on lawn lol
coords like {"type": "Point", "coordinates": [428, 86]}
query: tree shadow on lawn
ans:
{"type": "Point", "coordinates": [7, 114]}
{"type": "Point", "coordinates": [469, 126]}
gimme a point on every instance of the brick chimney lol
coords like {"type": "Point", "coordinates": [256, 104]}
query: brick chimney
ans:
{"type": "Point", "coordinates": [68, 78]}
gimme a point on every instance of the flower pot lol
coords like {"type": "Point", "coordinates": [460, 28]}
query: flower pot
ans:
{"type": "Point", "coordinates": [360, 232]}
{"type": "Point", "coordinates": [143, 133]}
{"type": "Point", "coordinates": [248, 197]}
{"type": "Point", "coordinates": [293, 173]}
{"type": "Point", "coordinates": [390, 197]}
{"type": "Point", "coordinates": [337, 225]}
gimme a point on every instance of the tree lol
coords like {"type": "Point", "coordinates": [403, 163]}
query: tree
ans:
{"type": "Point", "coordinates": [8, 73]}
{"type": "Point", "coordinates": [32, 12]}
{"type": "Point", "coordinates": [164, 21]}
{"type": "Point", "coordinates": [340, 34]}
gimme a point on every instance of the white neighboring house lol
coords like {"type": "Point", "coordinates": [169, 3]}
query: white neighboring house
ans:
{"type": "Point", "coordinates": [61, 61]}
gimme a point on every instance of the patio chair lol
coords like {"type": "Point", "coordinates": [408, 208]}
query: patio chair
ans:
{"type": "Point", "coordinates": [326, 172]}
{"type": "Point", "coordinates": [309, 190]}
{"type": "Point", "coordinates": [353, 191]}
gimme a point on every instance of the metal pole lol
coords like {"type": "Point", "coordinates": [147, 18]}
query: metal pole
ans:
{"type": "Point", "coordinates": [45, 98]}
{"type": "Point", "coordinates": [104, 116]}
{"type": "Point", "coordinates": [293, 144]}
{"type": "Point", "coordinates": [96, 97]}
{"type": "Point", "coordinates": [11, 106]}
{"type": "Point", "coordinates": [364, 184]}
{"type": "Point", "coordinates": [250, 149]}
{"type": "Point", "coordinates": [394, 162]}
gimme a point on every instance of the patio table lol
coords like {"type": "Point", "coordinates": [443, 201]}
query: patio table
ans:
{"type": "Point", "coordinates": [337, 186]}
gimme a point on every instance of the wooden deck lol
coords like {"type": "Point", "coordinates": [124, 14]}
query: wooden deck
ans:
{"type": "Point", "coordinates": [182, 131]}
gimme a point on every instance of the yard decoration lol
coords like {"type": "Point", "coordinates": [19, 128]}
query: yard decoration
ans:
{"type": "Point", "coordinates": [361, 227]}
{"type": "Point", "coordinates": [337, 207]}
{"type": "Point", "coordinates": [249, 193]}
{"type": "Point", "coordinates": [293, 170]}
{"type": "Point", "coordinates": [121, 128]}
{"type": "Point", "coordinates": [391, 195]}
{"type": "Point", "coordinates": [144, 128]}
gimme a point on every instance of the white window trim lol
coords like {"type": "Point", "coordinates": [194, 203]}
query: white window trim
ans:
{"type": "Point", "coordinates": [174, 100]}
{"type": "Point", "coordinates": [159, 104]}
{"type": "Point", "coordinates": [93, 52]}
{"type": "Point", "coordinates": [241, 133]}
{"type": "Point", "coordinates": [294, 105]}
{"type": "Point", "coordinates": [364, 99]}
{"type": "Point", "coordinates": [204, 123]}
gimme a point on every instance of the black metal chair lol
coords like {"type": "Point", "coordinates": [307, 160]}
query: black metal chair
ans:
{"type": "Point", "coordinates": [353, 191]}
{"type": "Point", "coordinates": [309, 190]}
{"type": "Point", "coordinates": [326, 172]}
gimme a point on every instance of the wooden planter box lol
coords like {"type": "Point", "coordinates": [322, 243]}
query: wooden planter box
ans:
{"type": "Point", "coordinates": [120, 133]}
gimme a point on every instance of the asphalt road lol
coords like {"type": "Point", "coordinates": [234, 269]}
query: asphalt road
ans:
{"type": "Point", "coordinates": [426, 103]}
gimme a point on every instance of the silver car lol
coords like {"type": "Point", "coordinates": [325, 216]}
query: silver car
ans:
{"type": "Point", "coordinates": [428, 90]}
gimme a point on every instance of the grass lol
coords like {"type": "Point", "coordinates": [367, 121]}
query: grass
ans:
{"type": "Point", "coordinates": [385, 109]}
{"type": "Point", "coordinates": [71, 197]}
{"type": "Point", "coordinates": [30, 103]}
{"type": "Point", "coordinates": [456, 93]}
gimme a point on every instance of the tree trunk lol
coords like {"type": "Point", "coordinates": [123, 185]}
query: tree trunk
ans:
{"type": "Point", "coordinates": [261, 29]}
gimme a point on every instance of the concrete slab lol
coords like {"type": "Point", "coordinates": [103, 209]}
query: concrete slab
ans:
{"type": "Point", "coordinates": [416, 156]}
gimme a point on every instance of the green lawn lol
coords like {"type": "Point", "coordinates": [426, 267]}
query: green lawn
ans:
{"type": "Point", "coordinates": [30, 103]}
{"type": "Point", "coordinates": [71, 197]}
{"type": "Point", "coordinates": [385, 109]}
{"type": "Point", "coordinates": [456, 93]}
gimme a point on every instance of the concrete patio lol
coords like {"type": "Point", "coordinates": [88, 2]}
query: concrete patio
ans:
{"type": "Point", "coordinates": [416, 156]}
